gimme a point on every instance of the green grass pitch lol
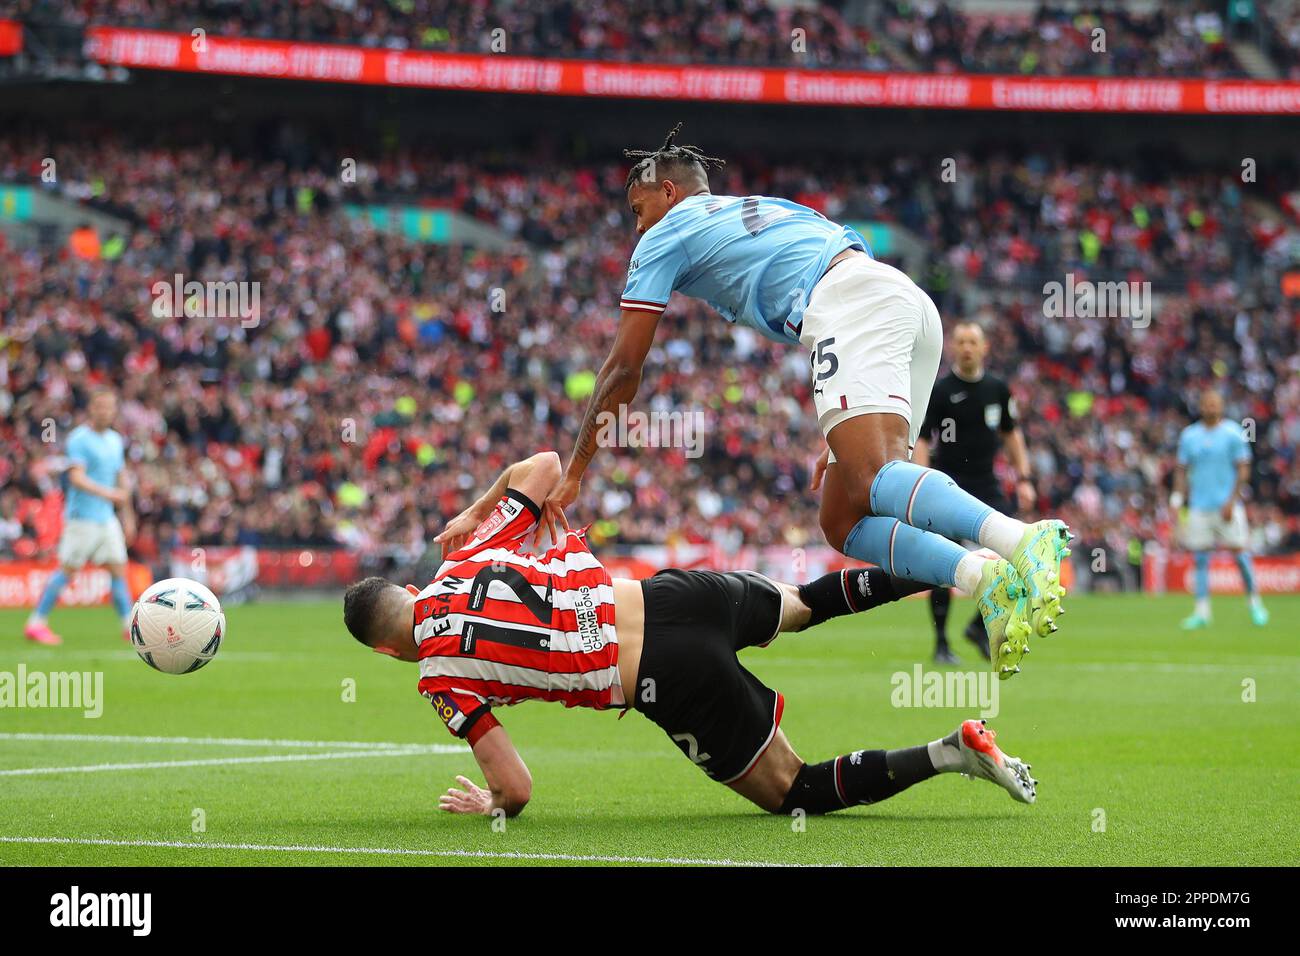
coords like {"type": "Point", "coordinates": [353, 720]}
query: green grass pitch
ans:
{"type": "Point", "coordinates": [1146, 742]}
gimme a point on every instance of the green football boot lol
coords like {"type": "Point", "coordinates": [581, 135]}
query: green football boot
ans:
{"type": "Point", "coordinates": [1037, 559]}
{"type": "Point", "coordinates": [1003, 602]}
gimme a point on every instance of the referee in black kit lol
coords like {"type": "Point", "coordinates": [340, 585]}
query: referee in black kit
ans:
{"type": "Point", "coordinates": [971, 415]}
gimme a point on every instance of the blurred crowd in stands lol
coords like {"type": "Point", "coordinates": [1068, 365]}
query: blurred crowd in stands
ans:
{"type": "Point", "coordinates": [1171, 38]}
{"type": "Point", "coordinates": [382, 381]}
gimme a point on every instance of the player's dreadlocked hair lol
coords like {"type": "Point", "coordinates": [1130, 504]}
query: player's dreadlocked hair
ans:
{"type": "Point", "coordinates": [669, 158]}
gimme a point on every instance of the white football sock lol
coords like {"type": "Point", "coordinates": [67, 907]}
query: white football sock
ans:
{"type": "Point", "coordinates": [945, 753]}
{"type": "Point", "coordinates": [967, 575]}
{"type": "Point", "coordinates": [1002, 534]}
{"type": "Point", "coordinates": [1203, 607]}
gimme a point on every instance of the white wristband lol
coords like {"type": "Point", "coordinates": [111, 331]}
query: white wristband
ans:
{"type": "Point", "coordinates": [1176, 500]}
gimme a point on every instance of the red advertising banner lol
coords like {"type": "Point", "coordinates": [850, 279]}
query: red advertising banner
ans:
{"type": "Point", "coordinates": [21, 584]}
{"type": "Point", "coordinates": [307, 568]}
{"type": "Point", "coordinates": [223, 569]}
{"type": "Point", "coordinates": [227, 569]}
{"type": "Point", "coordinates": [279, 59]}
{"type": "Point", "coordinates": [11, 37]}
{"type": "Point", "coordinates": [1274, 574]}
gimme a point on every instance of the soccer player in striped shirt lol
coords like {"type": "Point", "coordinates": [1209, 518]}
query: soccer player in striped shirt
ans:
{"type": "Point", "coordinates": [874, 340]}
{"type": "Point", "coordinates": [498, 626]}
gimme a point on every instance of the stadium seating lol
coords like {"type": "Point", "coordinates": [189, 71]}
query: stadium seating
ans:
{"type": "Point", "coordinates": [1172, 39]}
{"type": "Point", "coordinates": [240, 436]}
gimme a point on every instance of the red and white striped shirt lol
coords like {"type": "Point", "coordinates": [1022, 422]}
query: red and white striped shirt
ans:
{"type": "Point", "coordinates": [499, 626]}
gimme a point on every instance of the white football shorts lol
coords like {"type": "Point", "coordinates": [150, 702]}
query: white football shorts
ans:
{"type": "Point", "coordinates": [91, 542]}
{"type": "Point", "coordinates": [1205, 530]}
{"type": "Point", "coordinates": [875, 340]}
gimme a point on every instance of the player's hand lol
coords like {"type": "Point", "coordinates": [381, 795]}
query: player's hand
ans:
{"type": "Point", "coordinates": [128, 529]}
{"type": "Point", "coordinates": [458, 531]}
{"type": "Point", "coordinates": [1026, 495]}
{"type": "Point", "coordinates": [1226, 511]}
{"type": "Point", "coordinates": [819, 470]}
{"type": "Point", "coordinates": [561, 496]}
{"type": "Point", "coordinates": [473, 799]}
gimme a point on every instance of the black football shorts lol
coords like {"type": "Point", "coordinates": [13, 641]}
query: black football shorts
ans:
{"type": "Point", "coordinates": [690, 682]}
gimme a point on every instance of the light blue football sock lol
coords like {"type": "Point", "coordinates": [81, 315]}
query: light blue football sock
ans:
{"type": "Point", "coordinates": [50, 596]}
{"type": "Point", "coordinates": [905, 551]}
{"type": "Point", "coordinates": [121, 597]}
{"type": "Point", "coordinates": [1202, 575]}
{"type": "Point", "coordinates": [1247, 568]}
{"type": "Point", "coordinates": [927, 499]}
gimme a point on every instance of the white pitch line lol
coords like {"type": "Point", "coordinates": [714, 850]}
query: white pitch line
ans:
{"type": "Point", "coordinates": [390, 851]}
{"type": "Point", "coordinates": [234, 742]}
{"type": "Point", "coordinates": [224, 761]}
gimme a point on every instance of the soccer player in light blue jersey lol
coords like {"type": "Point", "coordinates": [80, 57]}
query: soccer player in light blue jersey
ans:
{"type": "Point", "coordinates": [1213, 468]}
{"type": "Point", "coordinates": [874, 340]}
{"type": "Point", "coordinates": [93, 533]}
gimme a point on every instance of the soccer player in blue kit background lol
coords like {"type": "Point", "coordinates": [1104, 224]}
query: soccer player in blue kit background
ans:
{"type": "Point", "coordinates": [94, 530]}
{"type": "Point", "coordinates": [875, 340]}
{"type": "Point", "coordinates": [1213, 469]}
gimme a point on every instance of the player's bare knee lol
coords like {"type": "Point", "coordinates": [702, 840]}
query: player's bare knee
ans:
{"type": "Point", "coordinates": [858, 494]}
{"type": "Point", "coordinates": [836, 529]}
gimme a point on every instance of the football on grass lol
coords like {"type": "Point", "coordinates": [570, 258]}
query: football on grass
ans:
{"type": "Point", "coordinates": [177, 626]}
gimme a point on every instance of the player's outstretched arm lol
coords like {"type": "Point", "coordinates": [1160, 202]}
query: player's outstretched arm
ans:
{"type": "Point", "coordinates": [534, 477]}
{"type": "Point", "coordinates": [616, 386]}
{"type": "Point", "coordinates": [509, 784]}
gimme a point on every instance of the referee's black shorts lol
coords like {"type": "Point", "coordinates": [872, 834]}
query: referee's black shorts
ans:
{"type": "Point", "coordinates": [691, 684]}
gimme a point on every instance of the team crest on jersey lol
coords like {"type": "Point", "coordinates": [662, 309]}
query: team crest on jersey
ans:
{"type": "Point", "coordinates": [992, 416]}
{"type": "Point", "coordinates": [507, 510]}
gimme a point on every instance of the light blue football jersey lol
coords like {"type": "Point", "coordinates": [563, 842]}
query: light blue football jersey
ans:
{"type": "Point", "coordinates": [1211, 456]}
{"type": "Point", "coordinates": [102, 455]}
{"type": "Point", "coordinates": [754, 259]}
